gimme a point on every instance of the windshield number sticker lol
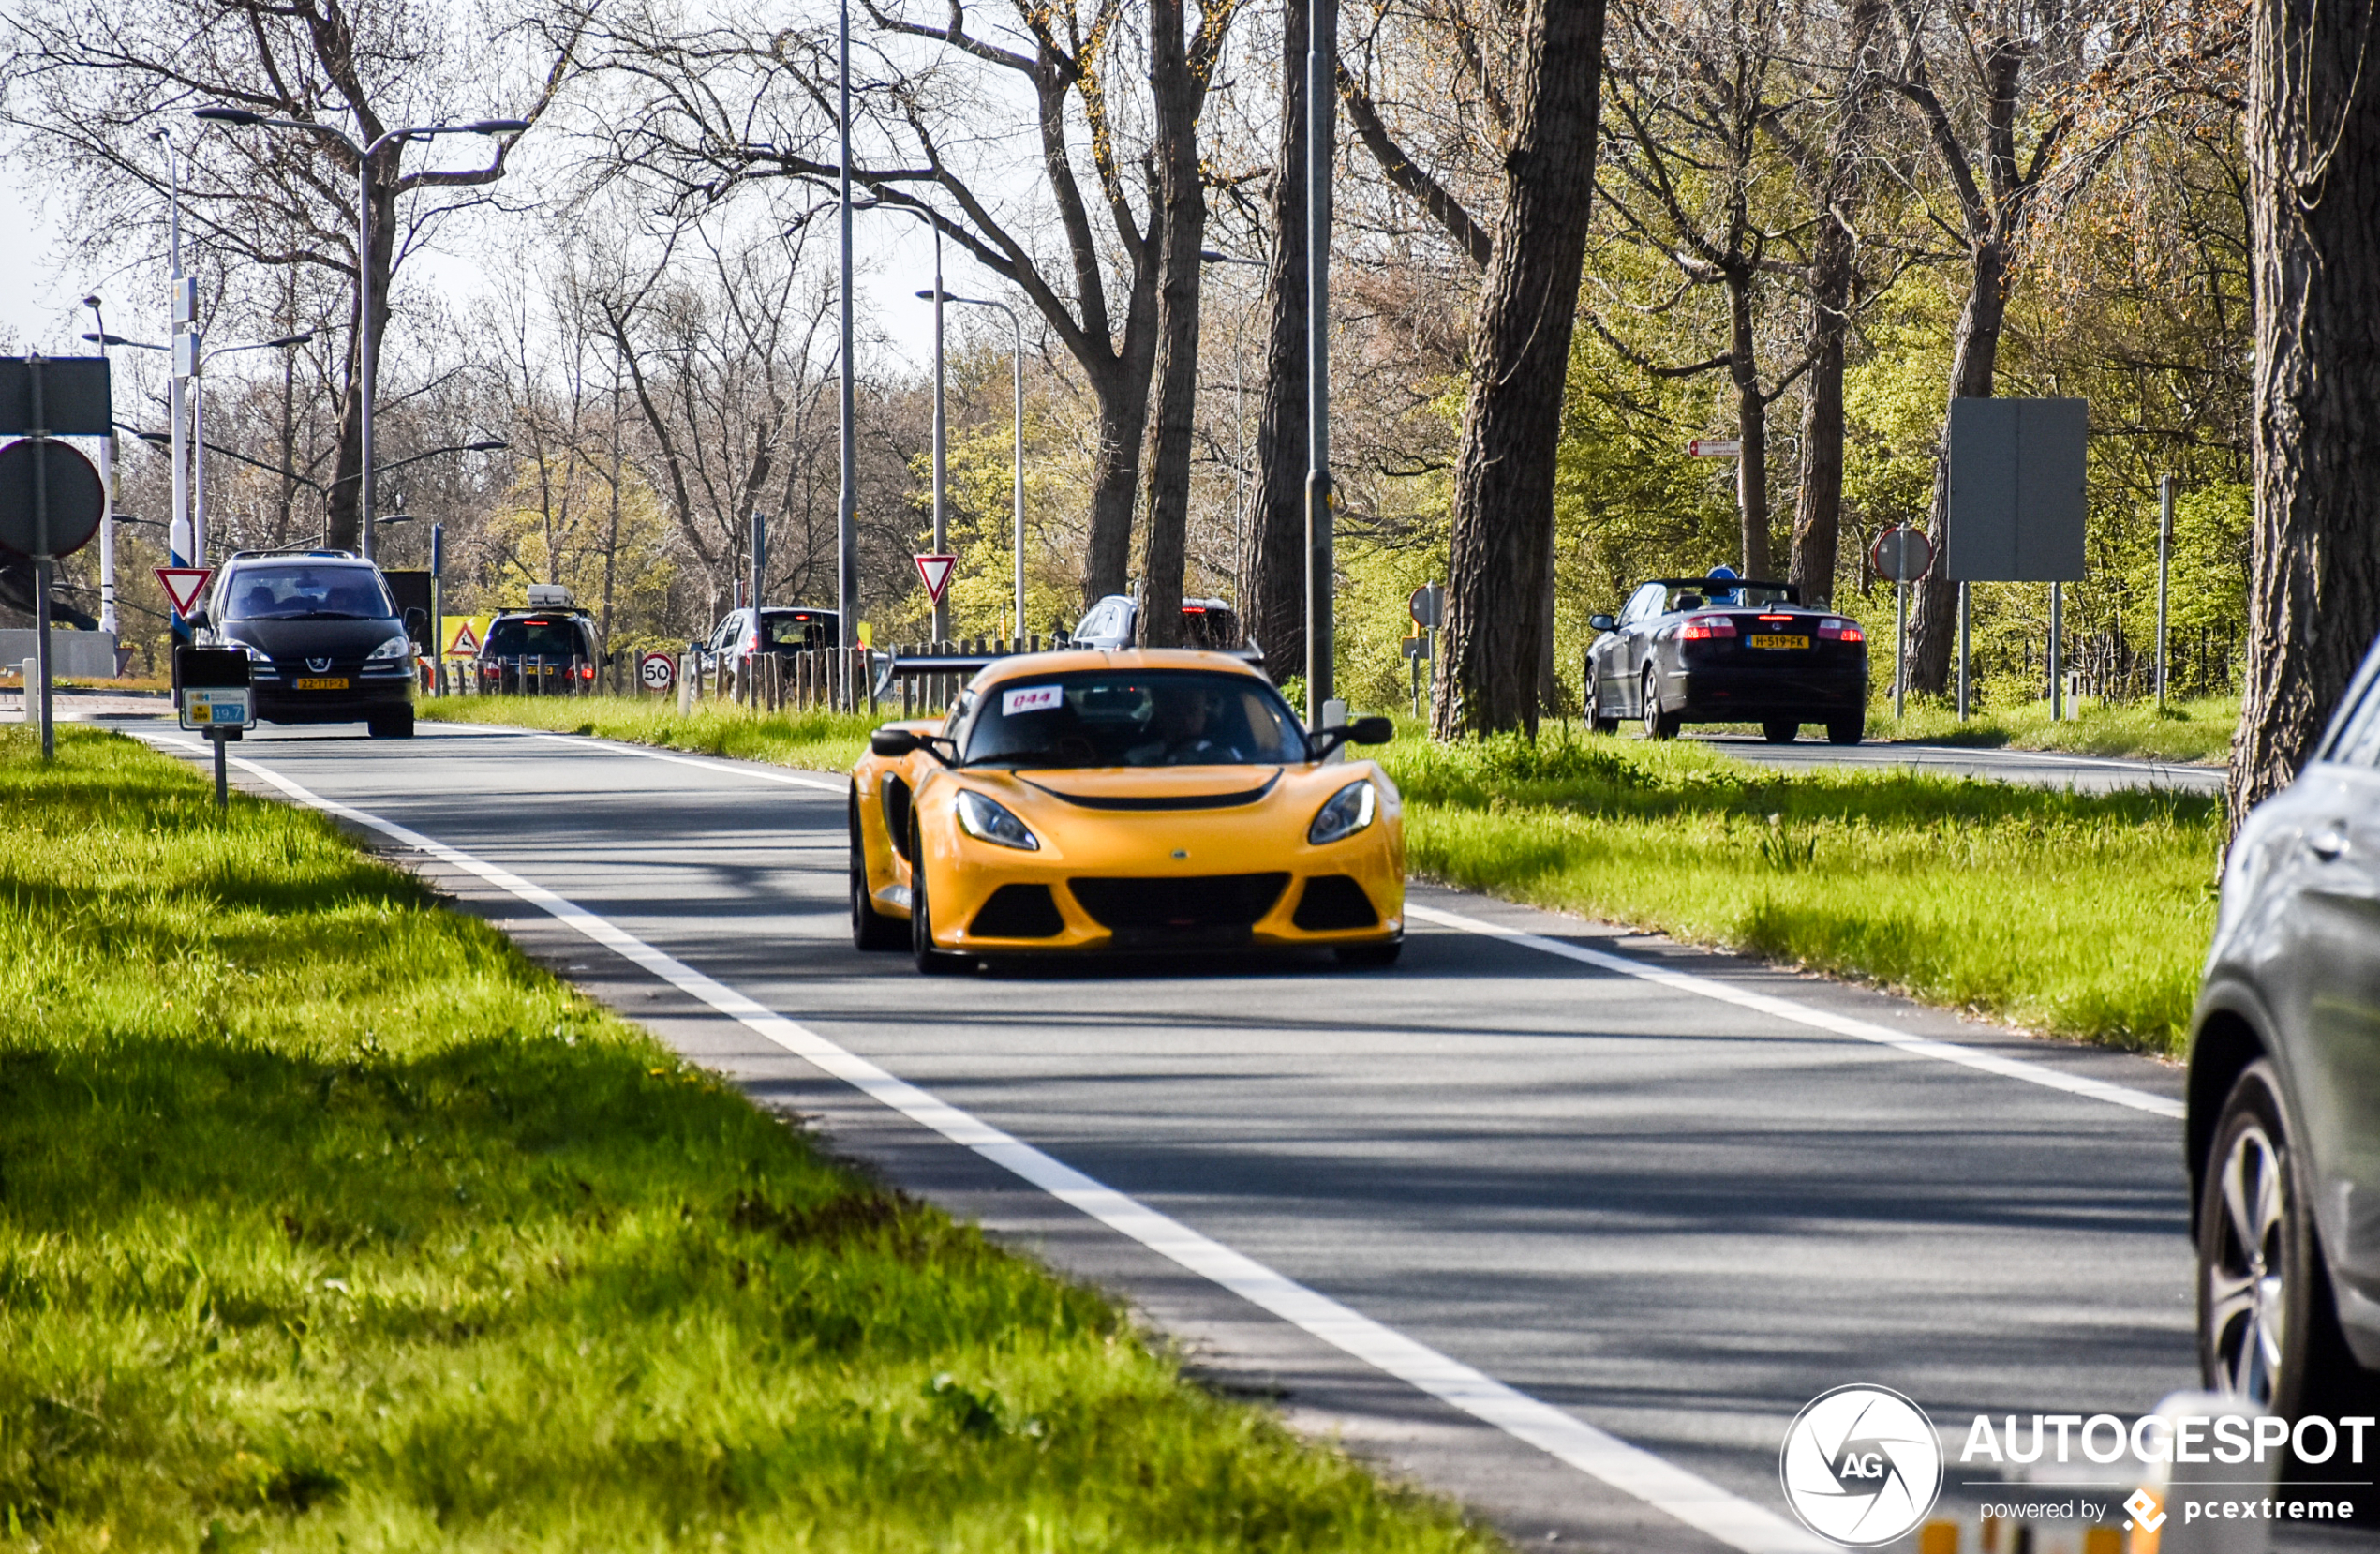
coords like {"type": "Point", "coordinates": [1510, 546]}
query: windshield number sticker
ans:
{"type": "Point", "coordinates": [1032, 698]}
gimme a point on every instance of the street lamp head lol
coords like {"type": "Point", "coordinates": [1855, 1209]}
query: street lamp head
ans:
{"type": "Point", "coordinates": [928, 295]}
{"type": "Point", "coordinates": [485, 447]}
{"type": "Point", "coordinates": [239, 116]}
{"type": "Point", "coordinates": [497, 126]}
{"type": "Point", "coordinates": [290, 340]}
{"type": "Point", "coordinates": [394, 517]}
{"type": "Point", "coordinates": [92, 303]}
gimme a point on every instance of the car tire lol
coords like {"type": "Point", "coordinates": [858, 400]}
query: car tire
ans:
{"type": "Point", "coordinates": [871, 929]}
{"type": "Point", "coordinates": [1848, 731]}
{"type": "Point", "coordinates": [1370, 956]}
{"type": "Point", "coordinates": [1657, 723]}
{"type": "Point", "coordinates": [930, 962]}
{"type": "Point", "coordinates": [2267, 1325]}
{"type": "Point", "coordinates": [391, 725]}
{"type": "Point", "coordinates": [1781, 733]}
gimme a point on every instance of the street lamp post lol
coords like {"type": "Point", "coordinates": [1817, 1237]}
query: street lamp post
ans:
{"type": "Point", "coordinates": [942, 467]}
{"type": "Point", "coordinates": [241, 117]}
{"type": "Point", "coordinates": [1017, 480]}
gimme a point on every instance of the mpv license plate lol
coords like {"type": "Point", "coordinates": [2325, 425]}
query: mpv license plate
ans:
{"type": "Point", "coordinates": [327, 683]}
{"type": "Point", "coordinates": [1778, 641]}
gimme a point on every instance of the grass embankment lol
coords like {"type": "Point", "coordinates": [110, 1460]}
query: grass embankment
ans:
{"type": "Point", "coordinates": [2195, 730]}
{"type": "Point", "coordinates": [2079, 915]}
{"type": "Point", "coordinates": [829, 741]}
{"type": "Point", "coordinates": [327, 1221]}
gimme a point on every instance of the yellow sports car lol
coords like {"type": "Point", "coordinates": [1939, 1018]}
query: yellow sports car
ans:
{"type": "Point", "coordinates": [1143, 800]}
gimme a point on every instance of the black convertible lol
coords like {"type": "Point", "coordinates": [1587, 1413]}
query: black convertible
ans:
{"type": "Point", "coordinates": [1728, 650]}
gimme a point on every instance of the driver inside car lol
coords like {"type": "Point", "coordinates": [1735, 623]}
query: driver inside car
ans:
{"type": "Point", "coordinates": [1181, 721]}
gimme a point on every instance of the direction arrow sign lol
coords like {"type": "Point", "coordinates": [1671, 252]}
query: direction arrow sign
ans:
{"type": "Point", "coordinates": [182, 585]}
{"type": "Point", "coordinates": [464, 643]}
{"type": "Point", "coordinates": [935, 570]}
{"type": "Point", "coordinates": [1715, 447]}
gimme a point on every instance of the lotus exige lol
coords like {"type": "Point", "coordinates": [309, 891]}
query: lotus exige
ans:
{"type": "Point", "coordinates": [1135, 800]}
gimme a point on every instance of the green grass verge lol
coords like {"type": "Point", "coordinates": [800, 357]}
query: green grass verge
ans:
{"type": "Point", "coordinates": [829, 741]}
{"type": "Point", "coordinates": [2199, 729]}
{"type": "Point", "coordinates": [326, 1221]}
{"type": "Point", "coordinates": [2083, 916]}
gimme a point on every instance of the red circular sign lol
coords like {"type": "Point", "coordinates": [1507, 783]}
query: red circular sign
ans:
{"type": "Point", "coordinates": [1901, 553]}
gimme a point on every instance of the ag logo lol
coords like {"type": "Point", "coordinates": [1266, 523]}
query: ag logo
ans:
{"type": "Point", "coordinates": [1861, 1465]}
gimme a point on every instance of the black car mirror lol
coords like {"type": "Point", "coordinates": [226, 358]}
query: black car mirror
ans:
{"type": "Point", "coordinates": [198, 621]}
{"type": "Point", "coordinates": [893, 743]}
{"type": "Point", "coordinates": [1374, 730]}
{"type": "Point", "coordinates": [1601, 622]}
{"type": "Point", "coordinates": [417, 624]}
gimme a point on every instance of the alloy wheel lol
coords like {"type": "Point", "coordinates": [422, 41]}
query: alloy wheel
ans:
{"type": "Point", "coordinates": [2247, 1278]}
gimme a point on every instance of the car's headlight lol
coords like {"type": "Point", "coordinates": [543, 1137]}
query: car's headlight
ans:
{"type": "Point", "coordinates": [395, 647]}
{"type": "Point", "coordinates": [986, 821]}
{"type": "Point", "coordinates": [1348, 812]}
{"type": "Point", "coordinates": [256, 655]}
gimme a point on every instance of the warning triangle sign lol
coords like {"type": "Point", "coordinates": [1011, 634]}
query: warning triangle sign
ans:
{"type": "Point", "coordinates": [184, 584]}
{"type": "Point", "coordinates": [935, 570]}
{"type": "Point", "coordinates": [464, 643]}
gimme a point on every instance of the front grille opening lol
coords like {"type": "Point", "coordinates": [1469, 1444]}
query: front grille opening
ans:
{"type": "Point", "coordinates": [1019, 912]}
{"type": "Point", "coordinates": [1332, 902]}
{"type": "Point", "coordinates": [1201, 908]}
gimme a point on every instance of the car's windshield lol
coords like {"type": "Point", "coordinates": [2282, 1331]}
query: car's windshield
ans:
{"type": "Point", "coordinates": [1723, 591]}
{"type": "Point", "coordinates": [1138, 718]}
{"type": "Point", "coordinates": [298, 591]}
{"type": "Point", "coordinates": [532, 637]}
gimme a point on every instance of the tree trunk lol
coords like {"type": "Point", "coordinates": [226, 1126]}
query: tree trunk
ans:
{"type": "Point", "coordinates": [1752, 426]}
{"type": "Point", "coordinates": [344, 523]}
{"type": "Point", "coordinates": [1498, 618]}
{"type": "Point", "coordinates": [1933, 627]}
{"type": "Point", "coordinates": [1182, 236]}
{"type": "Point", "coordinates": [1123, 393]}
{"type": "Point", "coordinates": [2314, 597]}
{"type": "Point", "coordinates": [1818, 501]}
{"type": "Point", "coordinates": [1275, 608]}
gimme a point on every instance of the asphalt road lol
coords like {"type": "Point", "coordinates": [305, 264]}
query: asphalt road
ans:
{"type": "Point", "coordinates": [1665, 1195]}
{"type": "Point", "coordinates": [2034, 767]}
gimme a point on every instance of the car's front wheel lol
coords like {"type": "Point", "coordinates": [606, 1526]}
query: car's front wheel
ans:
{"type": "Point", "coordinates": [2267, 1330]}
{"type": "Point", "coordinates": [1847, 730]}
{"type": "Point", "coordinates": [931, 961]}
{"type": "Point", "coordinates": [1779, 733]}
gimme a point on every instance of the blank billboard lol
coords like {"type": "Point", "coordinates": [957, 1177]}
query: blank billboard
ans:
{"type": "Point", "coordinates": [2016, 489]}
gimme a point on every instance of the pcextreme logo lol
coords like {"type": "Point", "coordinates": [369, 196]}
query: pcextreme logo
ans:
{"type": "Point", "coordinates": [1861, 1465]}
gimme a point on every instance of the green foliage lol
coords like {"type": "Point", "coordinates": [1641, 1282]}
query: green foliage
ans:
{"type": "Point", "coordinates": [326, 1221]}
{"type": "Point", "coordinates": [1977, 895]}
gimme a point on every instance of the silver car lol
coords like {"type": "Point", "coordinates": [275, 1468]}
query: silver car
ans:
{"type": "Point", "coordinates": [2283, 1130]}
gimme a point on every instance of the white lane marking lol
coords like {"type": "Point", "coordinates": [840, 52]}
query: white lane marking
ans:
{"type": "Point", "coordinates": [1783, 1008]}
{"type": "Point", "coordinates": [737, 769]}
{"type": "Point", "coordinates": [1695, 1501]}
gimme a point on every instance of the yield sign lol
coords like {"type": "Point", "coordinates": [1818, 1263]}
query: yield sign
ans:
{"type": "Point", "coordinates": [184, 584]}
{"type": "Point", "coordinates": [935, 570]}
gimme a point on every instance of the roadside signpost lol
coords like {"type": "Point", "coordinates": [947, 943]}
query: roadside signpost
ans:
{"type": "Point", "coordinates": [464, 643]}
{"type": "Point", "coordinates": [1427, 607]}
{"type": "Point", "coordinates": [1715, 447]}
{"type": "Point", "coordinates": [2018, 492]}
{"type": "Point", "coordinates": [51, 500]}
{"type": "Point", "coordinates": [182, 585]}
{"type": "Point", "coordinates": [1902, 555]}
{"type": "Point", "coordinates": [213, 688]}
{"type": "Point", "coordinates": [935, 569]}
{"type": "Point", "coordinates": [657, 670]}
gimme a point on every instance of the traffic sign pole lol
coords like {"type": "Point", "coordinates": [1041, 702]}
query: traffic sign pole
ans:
{"type": "Point", "coordinates": [41, 563]}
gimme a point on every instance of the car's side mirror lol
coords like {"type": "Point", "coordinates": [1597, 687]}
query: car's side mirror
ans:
{"type": "Point", "coordinates": [1603, 623]}
{"type": "Point", "coordinates": [892, 743]}
{"type": "Point", "coordinates": [1374, 730]}
{"type": "Point", "coordinates": [417, 624]}
{"type": "Point", "coordinates": [197, 621]}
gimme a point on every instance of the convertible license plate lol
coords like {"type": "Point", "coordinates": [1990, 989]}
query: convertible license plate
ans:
{"type": "Point", "coordinates": [1778, 641]}
{"type": "Point", "coordinates": [322, 682]}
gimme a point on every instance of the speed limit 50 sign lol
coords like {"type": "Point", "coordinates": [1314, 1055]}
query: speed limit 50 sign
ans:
{"type": "Point", "coordinates": [658, 670]}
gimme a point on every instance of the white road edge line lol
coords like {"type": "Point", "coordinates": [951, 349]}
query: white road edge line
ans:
{"type": "Point", "coordinates": [1783, 1008]}
{"type": "Point", "coordinates": [723, 766]}
{"type": "Point", "coordinates": [1695, 1501]}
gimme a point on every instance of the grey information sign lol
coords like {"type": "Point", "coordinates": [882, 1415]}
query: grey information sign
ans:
{"type": "Point", "coordinates": [74, 396]}
{"type": "Point", "coordinates": [2016, 497]}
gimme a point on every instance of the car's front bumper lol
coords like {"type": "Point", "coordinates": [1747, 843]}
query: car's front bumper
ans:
{"type": "Point", "coordinates": [368, 694]}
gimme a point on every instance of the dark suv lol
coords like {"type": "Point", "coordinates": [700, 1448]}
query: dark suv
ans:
{"type": "Point", "coordinates": [547, 650]}
{"type": "Point", "coordinates": [324, 639]}
{"type": "Point", "coordinates": [2284, 1131]}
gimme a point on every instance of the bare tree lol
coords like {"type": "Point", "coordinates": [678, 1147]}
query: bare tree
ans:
{"type": "Point", "coordinates": [87, 85]}
{"type": "Point", "coordinates": [2313, 140]}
